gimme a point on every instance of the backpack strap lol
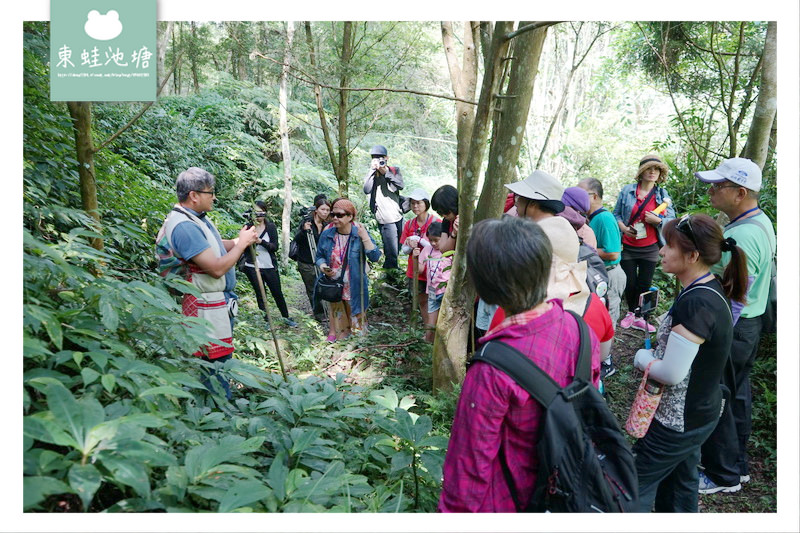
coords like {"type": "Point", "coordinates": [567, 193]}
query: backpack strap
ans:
{"type": "Point", "coordinates": [527, 374]}
{"type": "Point", "coordinates": [752, 220]}
{"type": "Point", "coordinates": [533, 379]}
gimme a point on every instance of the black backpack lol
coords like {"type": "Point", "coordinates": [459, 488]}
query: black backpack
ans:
{"type": "Point", "coordinates": [585, 462]}
{"type": "Point", "coordinates": [596, 273]}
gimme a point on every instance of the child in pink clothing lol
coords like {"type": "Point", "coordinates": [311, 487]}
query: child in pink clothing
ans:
{"type": "Point", "coordinates": [437, 271]}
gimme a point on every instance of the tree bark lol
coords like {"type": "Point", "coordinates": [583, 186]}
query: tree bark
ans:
{"type": "Point", "coordinates": [193, 56]}
{"type": "Point", "coordinates": [453, 326]}
{"type": "Point", "coordinates": [505, 147]}
{"type": "Point", "coordinates": [287, 159]}
{"type": "Point", "coordinates": [323, 118]}
{"type": "Point", "coordinates": [161, 54]}
{"type": "Point", "coordinates": [81, 113]}
{"type": "Point", "coordinates": [343, 165]}
{"type": "Point", "coordinates": [464, 79]}
{"type": "Point", "coordinates": [758, 138]}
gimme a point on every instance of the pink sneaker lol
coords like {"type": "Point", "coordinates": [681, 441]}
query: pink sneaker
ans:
{"type": "Point", "coordinates": [627, 321]}
{"type": "Point", "coordinates": [640, 324]}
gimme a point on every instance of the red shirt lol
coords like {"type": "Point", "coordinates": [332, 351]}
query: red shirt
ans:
{"type": "Point", "coordinates": [412, 227]}
{"type": "Point", "coordinates": [596, 317]}
{"type": "Point", "coordinates": [652, 235]}
{"type": "Point", "coordinates": [494, 411]}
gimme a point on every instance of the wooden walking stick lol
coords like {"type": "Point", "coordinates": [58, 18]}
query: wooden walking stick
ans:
{"type": "Point", "coordinates": [254, 260]}
{"type": "Point", "coordinates": [313, 247]}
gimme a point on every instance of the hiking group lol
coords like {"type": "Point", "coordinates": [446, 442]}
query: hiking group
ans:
{"type": "Point", "coordinates": [531, 429]}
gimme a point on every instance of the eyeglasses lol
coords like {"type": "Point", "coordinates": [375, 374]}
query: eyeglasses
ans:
{"type": "Point", "coordinates": [340, 215]}
{"type": "Point", "coordinates": [718, 187]}
{"type": "Point", "coordinates": [212, 192]}
{"type": "Point", "coordinates": [685, 226]}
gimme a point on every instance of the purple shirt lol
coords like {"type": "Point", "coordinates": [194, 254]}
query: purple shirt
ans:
{"type": "Point", "coordinates": [493, 411]}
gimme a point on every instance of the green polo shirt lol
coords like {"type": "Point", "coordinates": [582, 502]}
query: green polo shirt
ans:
{"type": "Point", "coordinates": [759, 246]}
{"type": "Point", "coordinates": [608, 236]}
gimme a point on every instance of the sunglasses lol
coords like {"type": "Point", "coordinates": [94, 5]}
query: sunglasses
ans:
{"type": "Point", "coordinates": [339, 215]}
{"type": "Point", "coordinates": [685, 226]}
{"type": "Point", "coordinates": [211, 192]}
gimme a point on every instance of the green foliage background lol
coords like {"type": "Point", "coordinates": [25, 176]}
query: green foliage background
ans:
{"type": "Point", "coordinates": [116, 417]}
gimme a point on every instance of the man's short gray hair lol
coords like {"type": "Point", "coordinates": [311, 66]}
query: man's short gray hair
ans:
{"type": "Point", "coordinates": [193, 179]}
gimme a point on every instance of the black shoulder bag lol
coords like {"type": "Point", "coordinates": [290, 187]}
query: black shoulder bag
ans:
{"type": "Point", "coordinates": [330, 289]}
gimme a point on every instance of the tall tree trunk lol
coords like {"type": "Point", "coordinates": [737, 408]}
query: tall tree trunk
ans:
{"type": "Point", "coordinates": [323, 118]}
{"type": "Point", "coordinates": [193, 56]}
{"type": "Point", "coordinates": [505, 147]}
{"type": "Point", "coordinates": [464, 79]}
{"type": "Point", "coordinates": [161, 51]}
{"type": "Point", "coordinates": [453, 325]}
{"type": "Point", "coordinates": [176, 76]}
{"type": "Point", "coordinates": [758, 137]}
{"type": "Point", "coordinates": [81, 113]}
{"type": "Point", "coordinates": [343, 167]}
{"type": "Point", "coordinates": [287, 160]}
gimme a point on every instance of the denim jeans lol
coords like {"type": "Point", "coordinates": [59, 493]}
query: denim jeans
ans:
{"type": "Point", "coordinates": [666, 465]}
{"type": "Point", "coordinates": [390, 233]}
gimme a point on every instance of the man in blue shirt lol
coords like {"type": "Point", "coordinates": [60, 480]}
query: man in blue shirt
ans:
{"type": "Point", "coordinates": [209, 260]}
{"type": "Point", "coordinates": [609, 248]}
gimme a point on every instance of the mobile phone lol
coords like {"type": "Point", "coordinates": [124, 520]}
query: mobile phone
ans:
{"type": "Point", "coordinates": [648, 301]}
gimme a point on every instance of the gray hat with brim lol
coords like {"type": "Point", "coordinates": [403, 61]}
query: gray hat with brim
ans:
{"type": "Point", "coordinates": [540, 186]}
{"type": "Point", "coordinates": [416, 194]}
{"type": "Point", "coordinates": [738, 170]}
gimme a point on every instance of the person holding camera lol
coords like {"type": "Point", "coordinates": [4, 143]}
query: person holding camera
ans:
{"type": "Point", "coordinates": [207, 263]}
{"type": "Point", "coordinates": [310, 228]}
{"type": "Point", "coordinates": [340, 254]}
{"type": "Point", "coordinates": [383, 184]}
{"type": "Point", "coordinates": [266, 247]}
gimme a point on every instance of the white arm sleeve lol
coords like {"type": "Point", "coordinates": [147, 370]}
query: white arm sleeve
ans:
{"type": "Point", "coordinates": [678, 357]}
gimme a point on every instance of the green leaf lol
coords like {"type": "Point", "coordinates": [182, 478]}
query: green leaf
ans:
{"type": "Point", "coordinates": [167, 391]}
{"type": "Point", "coordinates": [422, 427]}
{"type": "Point", "coordinates": [45, 429]}
{"type": "Point", "coordinates": [66, 410]}
{"type": "Point", "coordinates": [278, 472]}
{"type": "Point", "coordinates": [242, 493]}
{"type": "Point", "coordinates": [405, 425]}
{"type": "Point", "coordinates": [108, 314]}
{"type": "Point", "coordinates": [89, 375]}
{"type": "Point", "coordinates": [37, 488]}
{"type": "Point", "coordinates": [407, 403]}
{"type": "Point", "coordinates": [130, 473]}
{"type": "Point", "coordinates": [386, 398]}
{"type": "Point", "coordinates": [108, 381]}
{"type": "Point", "coordinates": [85, 480]}
{"type": "Point", "coordinates": [302, 438]}
{"type": "Point", "coordinates": [400, 460]}
{"type": "Point", "coordinates": [433, 461]}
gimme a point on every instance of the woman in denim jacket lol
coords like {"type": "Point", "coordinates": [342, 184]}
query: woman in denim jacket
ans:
{"type": "Point", "coordinates": [641, 232]}
{"type": "Point", "coordinates": [346, 239]}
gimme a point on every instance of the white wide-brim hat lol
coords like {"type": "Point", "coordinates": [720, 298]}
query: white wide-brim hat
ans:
{"type": "Point", "coordinates": [539, 186]}
{"type": "Point", "coordinates": [567, 280]}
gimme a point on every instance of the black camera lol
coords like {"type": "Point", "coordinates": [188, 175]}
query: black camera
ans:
{"type": "Point", "coordinates": [249, 215]}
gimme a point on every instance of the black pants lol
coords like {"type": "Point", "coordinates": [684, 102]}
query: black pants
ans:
{"type": "Point", "coordinates": [639, 274]}
{"type": "Point", "coordinates": [724, 454]}
{"type": "Point", "coordinates": [272, 280]}
{"type": "Point", "coordinates": [666, 467]}
{"type": "Point", "coordinates": [309, 275]}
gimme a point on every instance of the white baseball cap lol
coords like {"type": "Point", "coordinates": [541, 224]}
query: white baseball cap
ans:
{"type": "Point", "coordinates": [739, 170]}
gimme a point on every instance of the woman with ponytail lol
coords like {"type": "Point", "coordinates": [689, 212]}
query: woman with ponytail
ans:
{"type": "Point", "coordinates": [694, 341]}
